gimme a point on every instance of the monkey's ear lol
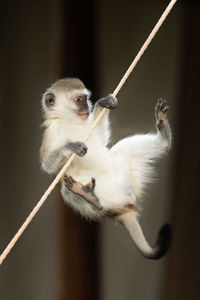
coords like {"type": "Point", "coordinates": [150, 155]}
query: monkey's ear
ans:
{"type": "Point", "coordinates": [49, 99]}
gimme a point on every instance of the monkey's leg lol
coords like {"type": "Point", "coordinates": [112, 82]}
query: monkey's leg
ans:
{"type": "Point", "coordinates": [147, 146]}
{"type": "Point", "coordinates": [162, 123]}
{"type": "Point", "coordinates": [128, 219]}
{"type": "Point", "coordinates": [85, 191]}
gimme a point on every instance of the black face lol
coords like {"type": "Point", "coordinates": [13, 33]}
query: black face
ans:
{"type": "Point", "coordinates": [82, 106]}
{"type": "Point", "coordinates": [50, 99]}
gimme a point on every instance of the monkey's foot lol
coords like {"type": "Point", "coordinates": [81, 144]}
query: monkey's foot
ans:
{"type": "Point", "coordinates": [161, 110]}
{"type": "Point", "coordinates": [85, 191]}
{"type": "Point", "coordinates": [161, 118]}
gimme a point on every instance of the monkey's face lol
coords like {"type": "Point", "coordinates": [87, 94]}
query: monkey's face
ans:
{"type": "Point", "coordinates": [80, 99]}
{"type": "Point", "coordinates": [67, 103]}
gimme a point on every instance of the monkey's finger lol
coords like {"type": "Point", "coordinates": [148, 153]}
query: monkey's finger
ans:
{"type": "Point", "coordinates": [66, 178]}
{"type": "Point", "coordinates": [93, 182]}
{"type": "Point", "coordinates": [166, 108]}
{"type": "Point", "coordinates": [68, 182]}
{"type": "Point", "coordinates": [82, 153]}
{"type": "Point", "coordinates": [160, 101]}
{"type": "Point", "coordinates": [112, 101]}
{"type": "Point", "coordinates": [82, 150]}
{"type": "Point", "coordinates": [72, 179]}
{"type": "Point", "coordinates": [68, 185]}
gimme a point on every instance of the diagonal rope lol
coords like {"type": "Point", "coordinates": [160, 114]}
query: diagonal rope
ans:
{"type": "Point", "coordinates": [99, 117]}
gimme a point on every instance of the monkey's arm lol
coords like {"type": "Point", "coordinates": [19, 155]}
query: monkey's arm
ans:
{"type": "Point", "coordinates": [54, 160]}
{"type": "Point", "coordinates": [110, 102]}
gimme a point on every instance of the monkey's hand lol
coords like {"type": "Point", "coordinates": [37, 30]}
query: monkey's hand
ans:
{"type": "Point", "coordinates": [77, 147]}
{"type": "Point", "coordinates": [109, 102]}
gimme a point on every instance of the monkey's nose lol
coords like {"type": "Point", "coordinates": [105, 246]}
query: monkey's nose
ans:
{"type": "Point", "coordinates": [85, 106]}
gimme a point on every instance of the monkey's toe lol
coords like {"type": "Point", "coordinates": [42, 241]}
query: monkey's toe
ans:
{"type": "Point", "coordinates": [72, 179]}
{"type": "Point", "coordinates": [93, 182]}
{"type": "Point", "coordinates": [161, 109]}
{"type": "Point", "coordinates": [69, 182]}
{"type": "Point", "coordinates": [91, 185]}
{"type": "Point", "coordinates": [161, 105]}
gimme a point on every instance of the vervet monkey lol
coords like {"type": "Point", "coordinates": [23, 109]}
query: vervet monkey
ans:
{"type": "Point", "coordinates": [102, 182]}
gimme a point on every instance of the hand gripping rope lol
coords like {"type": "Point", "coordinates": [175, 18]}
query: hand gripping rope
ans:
{"type": "Point", "coordinates": [99, 117]}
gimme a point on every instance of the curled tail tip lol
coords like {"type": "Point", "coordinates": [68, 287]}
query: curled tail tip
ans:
{"type": "Point", "coordinates": [165, 232]}
{"type": "Point", "coordinates": [163, 241]}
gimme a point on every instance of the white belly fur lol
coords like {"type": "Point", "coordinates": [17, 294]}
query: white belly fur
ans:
{"type": "Point", "coordinates": [110, 189]}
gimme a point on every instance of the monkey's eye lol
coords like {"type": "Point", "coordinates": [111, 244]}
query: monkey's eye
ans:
{"type": "Point", "coordinates": [49, 99]}
{"type": "Point", "coordinates": [79, 99]}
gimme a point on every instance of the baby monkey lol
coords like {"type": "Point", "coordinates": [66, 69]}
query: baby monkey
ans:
{"type": "Point", "coordinates": [102, 182]}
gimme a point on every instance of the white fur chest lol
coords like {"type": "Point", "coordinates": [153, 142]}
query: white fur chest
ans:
{"type": "Point", "coordinates": [62, 133]}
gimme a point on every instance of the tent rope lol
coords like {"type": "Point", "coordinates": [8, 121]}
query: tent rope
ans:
{"type": "Point", "coordinates": [99, 117]}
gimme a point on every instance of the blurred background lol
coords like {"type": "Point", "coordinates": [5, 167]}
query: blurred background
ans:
{"type": "Point", "coordinates": [61, 256]}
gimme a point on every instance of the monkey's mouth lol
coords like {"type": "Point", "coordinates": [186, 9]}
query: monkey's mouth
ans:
{"type": "Point", "coordinates": [84, 115]}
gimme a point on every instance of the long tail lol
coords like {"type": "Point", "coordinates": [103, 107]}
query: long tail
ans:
{"type": "Point", "coordinates": [130, 222]}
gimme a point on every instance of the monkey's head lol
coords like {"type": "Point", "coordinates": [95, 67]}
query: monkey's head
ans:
{"type": "Point", "coordinates": [67, 97]}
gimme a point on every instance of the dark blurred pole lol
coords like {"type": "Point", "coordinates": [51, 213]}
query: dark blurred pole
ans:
{"type": "Point", "coordinates": [79, 41]}
{"type": "Point", "coordinates": [78, 245]}
{"type": "Point", "coordinates": [184, 268]}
